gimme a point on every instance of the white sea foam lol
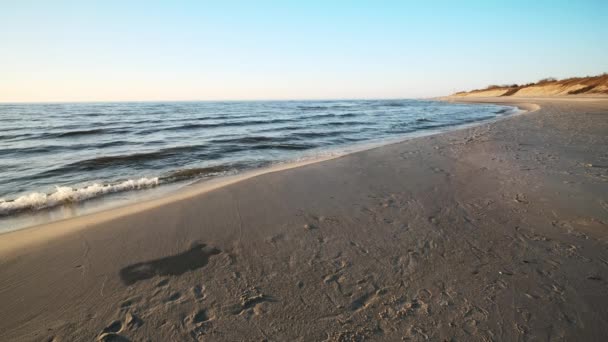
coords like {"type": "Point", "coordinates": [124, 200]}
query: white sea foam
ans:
{"type": "Point", "coordinates": [65, 194]}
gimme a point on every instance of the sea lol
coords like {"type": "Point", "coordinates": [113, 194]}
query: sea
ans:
{"type": "Point", "coordinates": [59, 160]}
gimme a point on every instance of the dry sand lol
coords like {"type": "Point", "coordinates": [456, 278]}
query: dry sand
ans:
{"type": "Point", "coordinates": [492, 233]}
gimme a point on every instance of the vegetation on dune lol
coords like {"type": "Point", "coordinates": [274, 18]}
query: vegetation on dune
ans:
{"type": "Point", "coordinates": [582, 85]}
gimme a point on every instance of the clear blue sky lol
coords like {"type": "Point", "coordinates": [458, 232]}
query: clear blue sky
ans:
{"type": "Point", "coordinates": [206, 50]}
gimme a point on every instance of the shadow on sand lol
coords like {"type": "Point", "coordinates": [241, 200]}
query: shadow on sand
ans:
{"type": "Point", "coordinates": [194, 258]}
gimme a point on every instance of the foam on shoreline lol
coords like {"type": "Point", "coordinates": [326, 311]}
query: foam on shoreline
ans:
{"type": "Point", "coordinates": [66, 194]}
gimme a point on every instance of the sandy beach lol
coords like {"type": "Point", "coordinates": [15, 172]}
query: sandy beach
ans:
{"type": "Point", "coordinates": [490, 233]}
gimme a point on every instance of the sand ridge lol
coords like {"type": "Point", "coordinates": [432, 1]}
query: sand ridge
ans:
{"type": "Point", "coordinates": [590, 86]}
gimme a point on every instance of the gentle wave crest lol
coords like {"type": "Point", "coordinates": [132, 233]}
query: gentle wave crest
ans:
{"type": "Point", "coordinates": [66, 194]}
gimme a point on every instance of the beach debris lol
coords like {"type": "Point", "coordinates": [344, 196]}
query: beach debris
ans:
{"type": "Point", "coordinates": [111, 337]}
{"type": "Point", "coordinates": [521, 198]}
{"type": "Point", "coordinates": [310, 226]}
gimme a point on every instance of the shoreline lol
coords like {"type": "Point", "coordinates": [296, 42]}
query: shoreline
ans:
{"type": "Point", "coordinates": [192, 188]}
{"type": "Point", "coordinates": [495, 231]}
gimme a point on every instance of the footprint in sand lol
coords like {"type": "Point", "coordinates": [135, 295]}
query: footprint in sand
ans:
{"type": "Point", "coordinates": [110, 333]}
{"type": "Point", "coordinates": [521, 198]}
{"type": "Point", "coordinates": [132, 321]}
{"type": "Point", "coordinates": [200, 320]}
{"type": "Point", "coordinates": [162, 283]}
{"type": "Point", "coordinates": [198, 292]}
{"type": "Point", "coordinates": [310, 226]}
{"type": "Point", "coordinates": [359, 247]}
{"type": "Point", "coordinates": [200, 316]}
{"type": "Point", "coordinates": [114, 327]}
{"type": "Point", "coordinates": [174, 296]}
{"type": "Point", "coordinates": [112, 337]}
{"type": "Point", "coordinates": [274, 239]}
{"type": "Point", "coordinates": [250, 299]}
{"type": "Point", "coordinates": [127, 304]}
{"type": "Point", "coordinates": [315, 222]}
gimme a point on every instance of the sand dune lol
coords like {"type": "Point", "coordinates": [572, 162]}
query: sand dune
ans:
{"type": "Point", "coordinates": [585, 86]}
{"type": "Point", "coordinates": [492, 233]}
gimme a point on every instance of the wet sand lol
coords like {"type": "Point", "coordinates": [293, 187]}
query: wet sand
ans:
{"type": "Point", "coordinates": [496, 232]}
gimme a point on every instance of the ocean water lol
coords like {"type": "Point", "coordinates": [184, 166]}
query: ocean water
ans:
{"type": "Point", "coordinates": [58, 154]}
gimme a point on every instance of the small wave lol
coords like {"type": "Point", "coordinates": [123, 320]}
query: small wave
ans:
{"type": "Point", "coordinates": [393, 104]}
{"type": "Point", "coordinates": [423, 120]}
{"type": "Point", "coordinates": [71, 134]}
{"type": "Point", "coordinates": [327, 134]}
{"type": "Point", "coordinates": [289, 147]}
{"type": "Point", "coordinates": [114, 143]}
{"type": "Point", "coordinates": [319, 116]}
{"type": "Point", "coordinates": [249, 140]}
{"type": "Point", "coordinates": [83, 132]}
{"type": "Point", "coordinates": [66, 194]}
{"type": "Point", "coordinates": [504, 111]}
{"type": "Point", "coordinates": [476, 119]}
{"type": "Point", "coordinates": [345, 123]}
{"type": "Point", "coordinates": [312, 107]}
{"type": "Point", "coordinates": [57, 148]}
{"type": "Point", "coordinates": [105, 161]}
{"type": "Point", "coordinates": [91, 164]}
{"type": "Point", "coordinates": [198, 172]}
{"type": "Point", "coordinates": [258, 122]}
{"type": "Point", "coordinates": [195, 126]}
{"type": "Point", "coordinates": [330, 115]}
{"type": "Point", "coordinates": [283, 129]}
{"type": "Point", "coordinates": [435, 125]}
{"type": "Point", "coordinates": [400, 130]}
{"type": "Point", "coordinates": [312, 135]}
{"type": "Point", "coordinates": [17, 137]}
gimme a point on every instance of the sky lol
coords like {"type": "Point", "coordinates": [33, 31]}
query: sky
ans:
{"type": "Point", "coordinates": [260, 50]}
